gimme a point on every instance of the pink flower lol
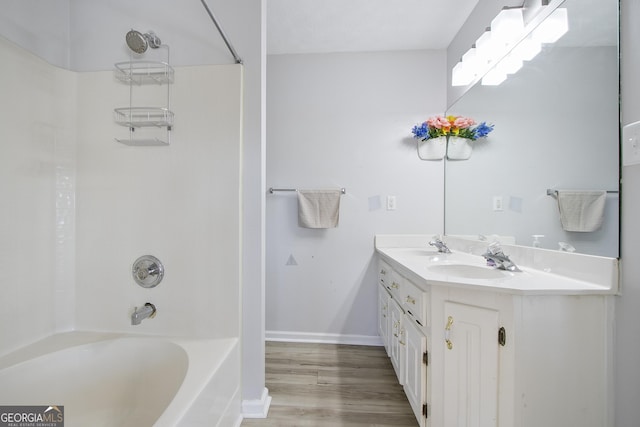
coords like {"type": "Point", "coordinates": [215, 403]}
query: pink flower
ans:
{"type": "Point", "coordinates": [434, 122]}
{"type": "Point", "coordinates": [439, 122]}
{"type": "Point", "coordinates": [463, 122]}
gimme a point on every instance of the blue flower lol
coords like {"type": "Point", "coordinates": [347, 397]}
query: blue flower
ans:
{"type": "Point", "coordinates": [421, 131]}
{"type": "Point", "coordinates": [482, 130]}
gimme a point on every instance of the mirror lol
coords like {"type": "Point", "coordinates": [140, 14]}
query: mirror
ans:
{"type": "Point", "coordinates": [556, 127]}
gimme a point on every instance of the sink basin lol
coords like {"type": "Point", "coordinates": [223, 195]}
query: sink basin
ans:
{"type": "Point", "coordinates": [469, 271]}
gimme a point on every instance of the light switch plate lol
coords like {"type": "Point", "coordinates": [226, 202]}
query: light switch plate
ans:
{"type": "Point", "coordinates": [631, 144]}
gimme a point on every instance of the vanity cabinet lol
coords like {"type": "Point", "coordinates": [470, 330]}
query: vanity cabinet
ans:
{"type": "Point", "coordinates": [397, 339]}
{"type": "Point", "coordinates": [415, 301]}
{"type": "Point", "coordinates": [384, 315]}
{"type": "Point", "coordinates": [470, 365]}
{"type": "Point", "coordinates": [402, 317]}
{"type": "Point", "coordinates": [478, 356]}
{"type": "Point", "coordinates": [416, 362]}
{"type": "Point", "coordinates": [390, 316]}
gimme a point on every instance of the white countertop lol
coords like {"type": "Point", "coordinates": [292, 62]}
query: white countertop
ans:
{"type": "Point", "coordinates": [551, 274]}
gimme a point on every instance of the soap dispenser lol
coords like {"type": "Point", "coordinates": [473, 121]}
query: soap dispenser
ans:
{"type": "Point", "coordinates": [536, 240]}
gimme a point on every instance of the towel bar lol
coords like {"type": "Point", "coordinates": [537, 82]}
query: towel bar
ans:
{"type": "Point", "coordinates": [554, 193]}
{"type": "Point", "coordinates": [272, 190]}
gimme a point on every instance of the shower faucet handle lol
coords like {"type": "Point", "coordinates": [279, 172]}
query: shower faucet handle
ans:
{"type": "Point", "coordinates": [147, 271]}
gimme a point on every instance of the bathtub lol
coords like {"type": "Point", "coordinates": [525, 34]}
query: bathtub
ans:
{"type": "Point", "coordinates": [105, 379]}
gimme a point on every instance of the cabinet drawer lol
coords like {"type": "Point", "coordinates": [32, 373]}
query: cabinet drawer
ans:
{"type": "Point", "coordinates": [395, 286]}
{"type": "Point", "coordinates": [415, 302]}
{"type": "Point", "coordinates": [384, 273]}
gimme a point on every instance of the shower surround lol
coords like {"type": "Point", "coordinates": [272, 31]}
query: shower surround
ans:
{"type": "Point", "coordinates": [78, 208]}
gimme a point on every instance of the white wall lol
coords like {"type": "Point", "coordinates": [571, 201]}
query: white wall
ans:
{"type": "Point", "coordinates": [180, 203]}
{"type": "Point", "coordinates": [37, 130]}
{"type": "Point", "coordinates": [627, 354]}
{"type": "Point", "coordinates": [344, 120]}
{"type": "Point", "coordinates": [40, 27]}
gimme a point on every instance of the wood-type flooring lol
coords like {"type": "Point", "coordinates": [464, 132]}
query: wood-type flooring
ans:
{"type": "Point", "coordinates": [332, 385]}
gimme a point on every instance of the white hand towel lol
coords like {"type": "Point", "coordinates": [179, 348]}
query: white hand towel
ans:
{"type": "Point", "coordinates": [581, 211]}
{"type": "Point", "coordinates": [318, 208]}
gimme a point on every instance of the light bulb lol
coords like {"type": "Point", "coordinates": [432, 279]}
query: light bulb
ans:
{"type": "Point", "coordinates": [527, 49]}
{"type": "Point", "coordinates": [507, 26]}
{"type": "Point", "coordinates": [462, 74]}
{"type": "Point", "coordinates": [553, 27]}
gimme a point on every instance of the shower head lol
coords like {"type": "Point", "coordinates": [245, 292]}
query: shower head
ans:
{"type": "Point", "coordinates": [139, 43]}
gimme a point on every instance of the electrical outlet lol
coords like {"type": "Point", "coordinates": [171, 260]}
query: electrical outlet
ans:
{"type": "Point", "coordinates": [631, 144]}
{"type": "Point", "coordinates": [391, 203]}
{"type": "Point", "coordinates": [498, 205]}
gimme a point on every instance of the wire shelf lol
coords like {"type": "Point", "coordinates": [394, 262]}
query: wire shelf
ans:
{"type": "Point", "coordinates": [149, 142]}
{"type": "Point", "coordinates": [144, 72]}
{"type": "Point", "coordinates": [143, 116]}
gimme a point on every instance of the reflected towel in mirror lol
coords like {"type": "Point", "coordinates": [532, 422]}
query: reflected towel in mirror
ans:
{"type": "Point", "coordinates": [318, 208]}
{"type": "Point", "coordinates": [581, 211]}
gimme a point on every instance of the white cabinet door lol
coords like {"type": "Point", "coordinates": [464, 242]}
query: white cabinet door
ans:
{"type": "Point", "coordinates": [470, 366]}
{"type": "Point", "coordinates": [383, 316]}
{"type": "Point", "coordinates": [396, 343]}
{"type": "Point", "coordinates": [415, 378]}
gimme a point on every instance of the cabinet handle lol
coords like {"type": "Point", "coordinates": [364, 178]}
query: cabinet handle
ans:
{"type": "Point", "coordinates": [447, 331]}
{"type": "Point", "coordinates": [502, 336]}
{"type": "Point", "coordinates": [411, 300]}
{"type": "Point", "coordinates": [394, 285]}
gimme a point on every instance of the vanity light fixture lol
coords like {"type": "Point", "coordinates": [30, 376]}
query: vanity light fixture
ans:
{"type": "Point", "coordinates": [527, 49]}
{"type": "Point", "coordinates": [552, 28]}
{"type": "Point", "coordinates": [464, 71]}
{"type": "Point", "coordinates": [507, 26]}
{"type": "Point", "coordinates": [503, 47]}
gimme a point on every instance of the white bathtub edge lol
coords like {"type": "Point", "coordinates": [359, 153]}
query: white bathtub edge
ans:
{"type": "Point", "coordinates": [210, 392]}
{"type": "Point", "coordinates": [212, 384]}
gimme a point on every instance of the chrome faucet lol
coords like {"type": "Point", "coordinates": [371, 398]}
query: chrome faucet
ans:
{"type": "Point", "coordinates": [139, 314]}
{"type": "Point", "coordinates": [496, 258]}
{"type": "Point", "coordinates": [438, 243]}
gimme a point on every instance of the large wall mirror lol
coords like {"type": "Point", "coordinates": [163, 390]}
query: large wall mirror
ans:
{"type": "Point", "coordinates": [556, 128]}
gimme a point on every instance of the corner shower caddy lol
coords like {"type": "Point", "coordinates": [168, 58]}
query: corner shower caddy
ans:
{"type": "Point", "coordinates": [138, 73]}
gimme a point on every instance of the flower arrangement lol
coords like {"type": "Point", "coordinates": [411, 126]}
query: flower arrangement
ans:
{"type": "Point", "coordinates": [462, 127]}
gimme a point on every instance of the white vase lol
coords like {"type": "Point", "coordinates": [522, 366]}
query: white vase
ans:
{"type": "Point", "coordinates": [459, 148]}
{"type": "Point", "coordinates": [432, 148]}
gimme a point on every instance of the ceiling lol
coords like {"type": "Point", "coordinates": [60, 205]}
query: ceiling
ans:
{"type": "Point", "coordinates": [323, 26]}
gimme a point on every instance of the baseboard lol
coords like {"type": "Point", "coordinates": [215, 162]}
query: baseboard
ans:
{"type": "Point", "coordinates": [257, 408]}
{"type": "Point", "coordinates": [323, 338]}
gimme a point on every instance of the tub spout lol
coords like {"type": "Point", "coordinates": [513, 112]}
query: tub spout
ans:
{"type": "Point", "coordinates": [141, 313]}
